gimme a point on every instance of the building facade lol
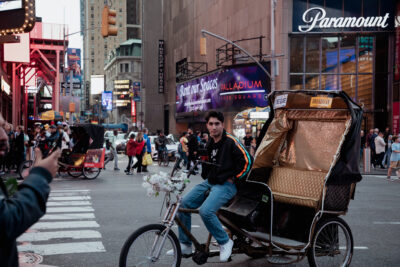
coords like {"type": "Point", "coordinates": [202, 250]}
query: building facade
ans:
{"type": "Point", "coordinates": [349, 45]}
{"type": "Point", "coordinates": [97, 48]}
{"type": "Point", "coordinates": [123, 75]}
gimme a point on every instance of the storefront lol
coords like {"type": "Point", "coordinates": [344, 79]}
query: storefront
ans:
{"type": "Point", "coordinates": [230, 90]}
{"type": "Point", "coordinates": [347, 45]}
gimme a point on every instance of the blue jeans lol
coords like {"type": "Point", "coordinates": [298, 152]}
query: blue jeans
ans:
{"type": "Point", "coordinates": [219, 196]}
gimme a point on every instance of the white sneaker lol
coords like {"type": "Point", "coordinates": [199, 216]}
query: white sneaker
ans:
{"type": "Point", "coordinates": [185, 249]}
{"type": "Point", "coordinates": [225, 251]}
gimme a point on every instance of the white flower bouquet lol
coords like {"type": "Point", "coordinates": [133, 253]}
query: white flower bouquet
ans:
{"type": "Point", "coordinates": [162, 182]}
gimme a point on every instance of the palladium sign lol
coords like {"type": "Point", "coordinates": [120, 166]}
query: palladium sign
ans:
{"type": "Point", "coordinates": [316, 16]}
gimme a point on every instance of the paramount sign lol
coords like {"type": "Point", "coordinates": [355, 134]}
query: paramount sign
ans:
{"type": "Point", "coordinates": [316, 18]}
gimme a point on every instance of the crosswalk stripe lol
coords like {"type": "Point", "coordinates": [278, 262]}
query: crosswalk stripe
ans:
{"type": "Point", "coordinates": [69, 198]}
{"type": "Point", "coordinates": [70, 190]}
{"type": "Point", "coordinates": [67, 216]}
{"type": "Point", "coordinates": [43, 236]}
{"type": "Point", "coordinates": [65, 225]}
{"type": "Point", "coordinates": [69, 209]}
{"type": "Point", "coordinates": [70, 194]}
{"type": "Point", "coordinates": [68, 203]}
{"type": "Point", "coordinates": [64, 248]}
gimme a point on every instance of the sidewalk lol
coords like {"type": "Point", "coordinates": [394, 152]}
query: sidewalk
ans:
{"type": "Point", "coordinates": [376, 171]}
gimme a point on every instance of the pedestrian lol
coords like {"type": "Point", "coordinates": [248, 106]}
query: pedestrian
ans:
{"type": "Point", "coordinates": [231, 163]}
{"type": "Point", "coordinates": [379, 149]}
{"type": "Point", "coordinates": [113, 139]}
{"type": "Point", "coordinates": [363, 140]}
{"type": "Point", "coordinates": [394, 157]}
{"type": "Point", "coordinates": [198, 136]}
{"type": "Point", "coordinates": [193, 147]}
{"type": "Point", "coordinates": [247, 141]}
{"type": "Point", "coordinates": [140, 148]}
{"type": "Point", "coordinates": [148, 146]}
{"type": "Point", "coordinates": [369, 136]}
{"type": "Point", "coordinates": [372, 146]}
{"type": "Point", "coordinates": [9, 161]}
{"type": "Point", "coordinates": [253, 147]}
{"type": "Point", "coordinates": [205, 138]}
{"type": "Point", "coordinates": [161, 144]}
{"type": "Point", "coordinates": [64, 138]}
{"type": "Point", "coordinates": [388, 152]}
{"type": "Point", "coordinates": [130, 152]}
{"type": "Point", "coordinates": [27, 205]}
{"type": "Point", "coordinates": [19, 146]}
{"type": "Point", "coordinates": [183, 148]}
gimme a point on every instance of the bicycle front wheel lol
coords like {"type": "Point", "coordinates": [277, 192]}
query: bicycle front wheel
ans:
{"type": "Point", "coordinates": [148, 246]}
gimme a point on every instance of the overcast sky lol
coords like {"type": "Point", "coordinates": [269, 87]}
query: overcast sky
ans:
{"type": "Point", "coordinates": [62, 12]}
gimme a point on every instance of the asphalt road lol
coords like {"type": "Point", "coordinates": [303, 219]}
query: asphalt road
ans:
{"type": "Point", "coordinates": [114, 205]}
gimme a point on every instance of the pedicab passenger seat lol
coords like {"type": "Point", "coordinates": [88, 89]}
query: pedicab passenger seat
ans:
{"type": "Point", "coordinates": [299, 147]}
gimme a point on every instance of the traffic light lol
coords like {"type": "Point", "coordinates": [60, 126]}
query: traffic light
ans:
{"type": "Point", "coordinates": [108, 19]}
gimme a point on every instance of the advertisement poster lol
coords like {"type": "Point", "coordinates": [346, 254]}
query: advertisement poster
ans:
{"type": "Point", "coordinates": [74, 64]}
{"type": "Point", "coordinates": [94, 158]}
{"type": "Point", "coordinates": [106, 100]}
{"type": "Point", "coordinates": [396, 117]}
{"type": "Point", "coordinates": [240, 86]}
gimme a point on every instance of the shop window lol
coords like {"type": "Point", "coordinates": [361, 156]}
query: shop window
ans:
{"type": "Point", "coordinates": [312, 82]}
{"type": "Point", "coordinates": [347, 83]}
{"type": "Point", "coordinates": [329, 54]}
{"type": "Point", "coordinates": [364, 94]}
{"type": "Point", "coordinates": [347, 55]}
{"type": "Point", "coordinates": [329, 82]}
{"type": "Point", "coordinates": [365, 54]}
{"type": "Point", "coordinates": [296, 82]}
{"type": "Point", "coordinates": [296, 54]}
{"type": "Point", "coordinates": [312, 54]}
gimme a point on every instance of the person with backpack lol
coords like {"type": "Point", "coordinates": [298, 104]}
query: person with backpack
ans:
{"type": "Point", "coordinates": [230, 162]}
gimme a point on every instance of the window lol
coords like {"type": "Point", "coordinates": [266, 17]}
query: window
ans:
{"type": "Point", "coordinates": [126, 67]}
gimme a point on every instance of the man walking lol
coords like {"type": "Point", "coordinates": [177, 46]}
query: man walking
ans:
{"type": "Point", "coordinates": [113, 139]}
{"type": "Point", "coordinates": [148, 146]}
{"type": "Point", "coordinates": [379, 149]}
{"type": "Point", "coordinates": [230, 162]}
{"type": "Point", "coordinates": [193, 147]}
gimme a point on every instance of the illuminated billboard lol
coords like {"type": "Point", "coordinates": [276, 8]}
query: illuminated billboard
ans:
{"type": "Point", "coordinates": [106, 100]}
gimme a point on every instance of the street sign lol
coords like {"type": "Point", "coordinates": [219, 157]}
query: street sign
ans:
{"type": "Point", "coordinates": [74, 85]}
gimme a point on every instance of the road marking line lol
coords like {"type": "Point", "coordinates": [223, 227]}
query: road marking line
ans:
{"type": "Point", "coordinates": [68, 216]}
{"type": "Point", "coordinates": [70, 190]}
{"type": "Point", "coordinates": [64, 225]}
{"type": "Point", "coordinates": [43, 236]}
{"type": "Point", "coordinates": [69, 198]}
{"type": "Point", "coordinates": [69, 209]}
{"type": "Point", "coordinates": [69, 194]}
{"type": "Point", "coordinates": [361, 248]}
{"type": "Point", "coordinates": [68, 203]}
{"type": "Point", "coordinates": [64, 248]}
{"type": "Point", "coordinates": [393, 223]}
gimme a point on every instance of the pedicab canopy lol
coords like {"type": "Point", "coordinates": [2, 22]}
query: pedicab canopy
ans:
{"type": "Point", "coordinates": [312, 131]}
{"type": "Point", "coordinates": [92, 132]}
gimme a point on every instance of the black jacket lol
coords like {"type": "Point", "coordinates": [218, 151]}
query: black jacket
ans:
{"type": "Point", "coordinates": [193, 145]}
{"type": "Point", "coordinates": [21, 211]}
{"type": "Point", "coordinates": [234, 160]}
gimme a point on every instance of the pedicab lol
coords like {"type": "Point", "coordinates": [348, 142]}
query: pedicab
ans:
{"type": "Point", "coordinates": [87, 155]}
{"type": "Point", "coordinates": [291, 204]}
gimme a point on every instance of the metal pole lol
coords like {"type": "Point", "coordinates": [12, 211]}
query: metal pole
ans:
{"type": "Point", "coordinates": [71, 76]}
{"type": "Point", "coordinates": [273, 2]}
{"type": "Point", "coordinates": [232, 43]}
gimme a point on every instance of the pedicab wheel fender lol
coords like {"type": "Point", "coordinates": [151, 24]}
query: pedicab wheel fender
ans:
{"type": "Point", "coordinates": [321, 226]}
{"type": "Point", "coordinates": [148, 228]}
{"type": "Point", "coordinates": [89, 174]}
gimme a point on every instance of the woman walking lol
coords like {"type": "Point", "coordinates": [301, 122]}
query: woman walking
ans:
{"type": "Point", "coordinates": [130, 152]}
{"type": "Point", "coordinates": [139, 152]}
{"type": "Point", "coordinates": [395, 156]}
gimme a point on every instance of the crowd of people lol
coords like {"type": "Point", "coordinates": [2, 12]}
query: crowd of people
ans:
{"type": "Point", "coordinates": [384, 148]}
{"type": "Point", "coordinates": [21, 143]}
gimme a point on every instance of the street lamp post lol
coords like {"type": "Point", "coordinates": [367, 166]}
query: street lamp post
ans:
{"type": "Point", "coordinates": [204, 32]}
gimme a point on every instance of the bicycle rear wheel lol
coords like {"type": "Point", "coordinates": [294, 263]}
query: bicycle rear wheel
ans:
{"type": "Point", "coordinates": [141, 248]}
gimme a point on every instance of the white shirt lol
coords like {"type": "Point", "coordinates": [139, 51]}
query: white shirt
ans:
{"type": "Point", "coordinates": [379, 145]}
{"type": "Point", "coordinates": [65, 140]}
